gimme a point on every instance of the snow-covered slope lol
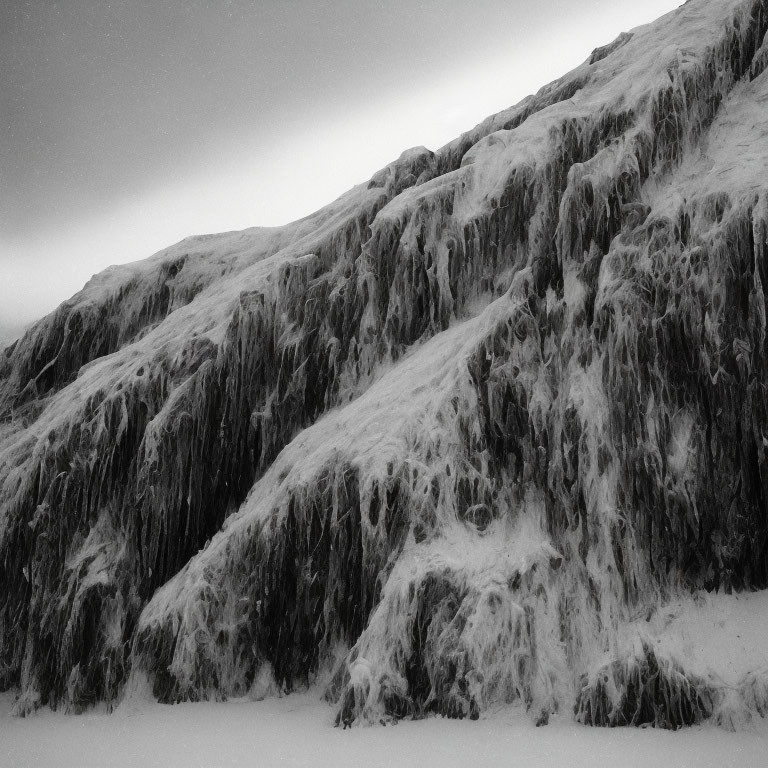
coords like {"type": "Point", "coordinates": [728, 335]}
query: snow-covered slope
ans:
{"type": "Point", "coordinates": [442, 443]}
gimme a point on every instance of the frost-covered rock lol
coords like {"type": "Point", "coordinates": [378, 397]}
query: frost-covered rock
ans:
{"type": "Point", "coordinates": [439, 444]}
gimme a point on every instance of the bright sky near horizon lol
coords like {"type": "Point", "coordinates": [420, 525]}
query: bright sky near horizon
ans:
{"type": "Point", "coordinates": [126, 125]}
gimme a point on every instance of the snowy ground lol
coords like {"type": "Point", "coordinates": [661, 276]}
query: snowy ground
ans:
{"type": "Point", "coordinates": [297, 731]}
{"type": "Point", "coordinates": [720, 635]}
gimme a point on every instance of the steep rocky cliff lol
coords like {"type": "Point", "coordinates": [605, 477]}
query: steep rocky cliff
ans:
{"type": "Point", "coordinates": [460, 438]}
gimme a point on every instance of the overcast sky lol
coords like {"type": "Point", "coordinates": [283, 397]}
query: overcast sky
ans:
{"type": "Point", "coordinates": [129, 124]}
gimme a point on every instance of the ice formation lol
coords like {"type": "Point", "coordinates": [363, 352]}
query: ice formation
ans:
{"type": "Point", "coordinates": [457, 439]}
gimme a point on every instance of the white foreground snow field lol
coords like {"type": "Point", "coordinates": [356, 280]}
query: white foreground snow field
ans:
{"type": "Point", "coordinates": [298, 730]}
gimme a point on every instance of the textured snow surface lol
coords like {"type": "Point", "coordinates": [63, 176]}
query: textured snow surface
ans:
{"type": "Point", "coordinates": [297, 731]}
{"type": "Point", "coordinates": [489, 429]}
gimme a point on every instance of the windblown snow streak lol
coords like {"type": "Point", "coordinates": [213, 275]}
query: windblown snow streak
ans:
{"type": "Point", "coordinates": [441, 443]}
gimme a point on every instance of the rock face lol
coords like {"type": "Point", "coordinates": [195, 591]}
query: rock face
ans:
{"type": "Point", "coordinates": [438, 445]}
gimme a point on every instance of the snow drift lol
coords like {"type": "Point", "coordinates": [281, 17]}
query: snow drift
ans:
{"type": "Point", "coordinates": [452, 441]}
